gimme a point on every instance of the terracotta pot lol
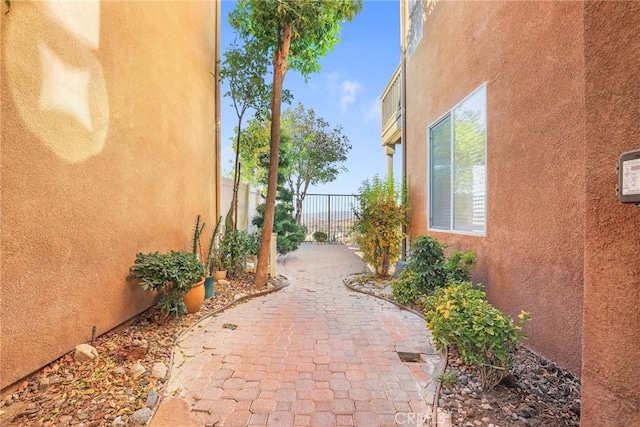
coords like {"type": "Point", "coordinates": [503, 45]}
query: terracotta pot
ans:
{"type": "Point", "coordinates": [218, 275]}
{"type": "Point", "coordinates": [195, 297]}
{"type": "Point", "coordinates": [209, 291]}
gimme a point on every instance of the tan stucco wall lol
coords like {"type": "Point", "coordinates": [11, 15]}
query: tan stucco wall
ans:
{"type": "Point", "coordinates": [530, 56]}
{"type": "Point", "coordinates": [108, 149]}
{"type": "Point", "coordinates": [610, 374]}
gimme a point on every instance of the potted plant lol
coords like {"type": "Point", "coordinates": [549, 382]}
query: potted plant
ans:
{"type": "Point", "coordinates": [219, 264]}
{"type": "Point", "coordinates": [211, 264]}
{"type": "Point", "coordinates": [171, 274]}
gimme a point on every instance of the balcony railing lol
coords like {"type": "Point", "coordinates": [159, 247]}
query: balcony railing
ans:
{"type": "Point", "coordinates": [391, 110]}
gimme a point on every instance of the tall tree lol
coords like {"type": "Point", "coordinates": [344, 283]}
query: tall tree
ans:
{"type": "Point", "coordinates": [296, 34]}
{"type": "Point", "coordinates": [316, 152]}
{"type": "Point", "coordinates": [244, 69]}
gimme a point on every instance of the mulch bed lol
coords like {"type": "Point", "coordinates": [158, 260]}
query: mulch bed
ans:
{"type": "Point", "coordinates": [104, 390]}
{"type": "Point", "coordinates": [537, 393]}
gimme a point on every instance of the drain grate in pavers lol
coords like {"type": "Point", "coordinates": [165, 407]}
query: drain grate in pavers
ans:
{"type": "Point", "coordinates": [411, 357]}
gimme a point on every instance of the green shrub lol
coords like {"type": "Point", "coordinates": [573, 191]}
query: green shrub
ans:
{"type": "Point", "coordinates": [429, 269]}
{"type": "Point", "coordinates": [427, 260]}
{"type": "Point", "coordinates": [484, 336]}
{"type": "Point", "coordinates": [235, 246]}
{"type": "Point", "coordinates": [172, 274]}
{"type": "Point", "coordinates": [458, 266]}
{"type": "Point", "coordinates": [290, 234]}
{"type": "Point", "coordinates": [378, 225]}
{"type": "Point", "coordinates": [404, 287]}
{"type": "Point", "coordinates": [423, 274]}
{"type": "Point", "coordinates": [320, 236]}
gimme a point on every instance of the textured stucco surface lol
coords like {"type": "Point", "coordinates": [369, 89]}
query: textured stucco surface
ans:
{"type": "Point", "coordinates": [610, 375]}
{"type": "Point", "coordinates": [530, 56]}
{"type": "Point", "coordinates": [108, 149]}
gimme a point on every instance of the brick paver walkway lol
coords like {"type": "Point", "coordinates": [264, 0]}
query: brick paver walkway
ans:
{"type": "Point", "coordinates": [312, 354]}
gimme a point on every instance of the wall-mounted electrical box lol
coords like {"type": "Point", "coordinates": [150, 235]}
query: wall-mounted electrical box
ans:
{"type": "Point", "coordinates": [629, 177]}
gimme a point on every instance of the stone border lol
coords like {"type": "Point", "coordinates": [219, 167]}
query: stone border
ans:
{"type": "Point", "coordinates": [432, 392]}
{"type": "Point", "coordinates": [208, 316]}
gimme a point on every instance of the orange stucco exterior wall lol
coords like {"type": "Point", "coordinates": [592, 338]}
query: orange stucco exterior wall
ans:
{"type": "Point", "coordinates": [530, 55]}
{"type": "Point", "coordinates": [109, 148]}
{"type": "Point", "coordinates": [610, 374]}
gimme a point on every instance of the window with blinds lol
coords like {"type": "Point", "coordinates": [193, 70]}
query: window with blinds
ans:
{"type": "Point", "coordinates": [457, 167]}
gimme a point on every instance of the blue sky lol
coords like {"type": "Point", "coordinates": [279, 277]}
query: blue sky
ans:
{"type": "Point", "coordinates": [345, 92]}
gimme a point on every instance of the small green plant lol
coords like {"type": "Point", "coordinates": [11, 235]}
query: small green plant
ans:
{"type": "Point", "coordinates": [235, 246]}
{"type": "Point", "coordinates": [320, 236]}
{"type": "Point", "coordinates": [195, 240]}
{"type": "Point", "coordinates": [448, 378]}
{"type": "Point", "coordinates": [484, 336]}
{"type": "Point", "coordinates": [172, 274]}
{"type": "Point", "coordinates": [213, 249]}
{"type": "Point", "coordinates": [378, 224]}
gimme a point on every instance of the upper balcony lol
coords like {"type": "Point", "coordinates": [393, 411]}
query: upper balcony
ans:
{"type": "Point", "coordinates": [391, 111]}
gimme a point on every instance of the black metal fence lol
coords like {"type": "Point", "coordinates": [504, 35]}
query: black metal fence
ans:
{"type": "Point", "coordinates": [330, 213]}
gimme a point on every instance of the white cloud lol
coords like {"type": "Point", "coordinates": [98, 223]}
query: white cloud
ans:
{"type": "Point", "coordinates": [348, 91]}
{"type": "Point", "coordinates": [373, 112]}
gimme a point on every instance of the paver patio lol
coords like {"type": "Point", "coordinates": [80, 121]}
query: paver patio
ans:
{"type": "Point", "coordinates": [312, 354]}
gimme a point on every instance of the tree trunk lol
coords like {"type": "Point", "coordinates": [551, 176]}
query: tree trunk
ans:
{"type": "Point", "coordinates": [299, 200]}
{"type": "Point", "coordinates": [236, 181]}
{"type": "Point", "coordinates": [279, 71]}
{"type": "Point", "coordinates": [300, 195]}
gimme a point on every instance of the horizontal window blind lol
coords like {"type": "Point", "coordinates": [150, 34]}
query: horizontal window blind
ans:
{"type": "Point", "coordinates": [457, 167]}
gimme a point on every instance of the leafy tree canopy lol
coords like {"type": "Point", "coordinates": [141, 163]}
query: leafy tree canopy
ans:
{"type": "Point", "coordinates": [315, 27]}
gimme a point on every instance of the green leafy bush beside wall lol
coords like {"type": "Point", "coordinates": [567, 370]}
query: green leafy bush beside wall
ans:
{"type": "Point", "coordinates": [460, 315]}
{"type": "Point", "coordinates": [429, 269]}
{"type": "Point", "coordinates": [172, 274]}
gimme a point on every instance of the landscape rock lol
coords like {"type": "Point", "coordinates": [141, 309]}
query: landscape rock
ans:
{"type": "Point", "coordinates": [223, 282]}
{"type": "Point", "coordinates": [85, 352]}
{"type": "Point", "coordinates": [525, 411]}
{"type": "Point", "coordinates": [137, 370]}
{"type": "Point", "coordinates": [159, 370]}
{"type": "Point", "coordinates": [109, 403]}
{"type": "Point", "coordinates": [141, 416]}
{"type": "Point", "coordinates": [119, 371]}
{"type": "Point", "coordinates": [152, 399]}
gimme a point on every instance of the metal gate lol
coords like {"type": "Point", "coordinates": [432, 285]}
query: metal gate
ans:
{"type": "Point", "coordinates": [331, 214]}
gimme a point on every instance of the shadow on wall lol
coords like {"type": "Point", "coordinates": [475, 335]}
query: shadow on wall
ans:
{"type": "Point", "coordinates": [64, 101]}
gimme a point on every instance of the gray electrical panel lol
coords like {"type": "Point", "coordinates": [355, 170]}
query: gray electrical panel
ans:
{"type": "Point", "coordinates": [629, 177]}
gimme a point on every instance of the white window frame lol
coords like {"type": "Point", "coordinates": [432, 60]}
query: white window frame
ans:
{"type": "Point", "coordinates": [451, 230]}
